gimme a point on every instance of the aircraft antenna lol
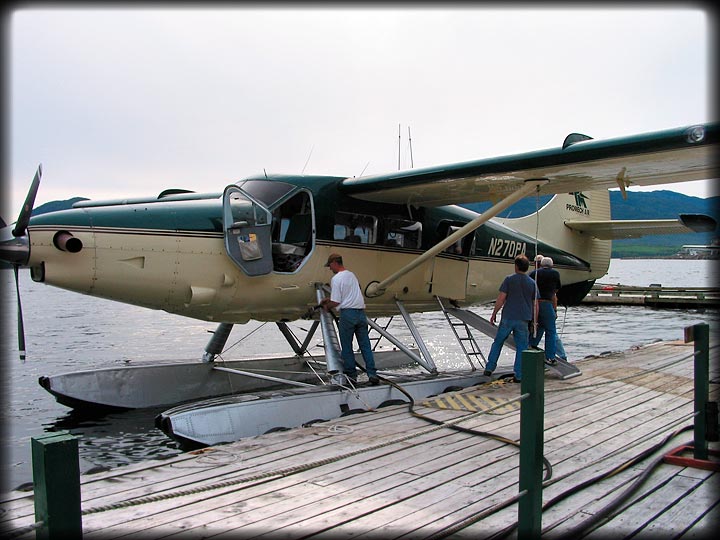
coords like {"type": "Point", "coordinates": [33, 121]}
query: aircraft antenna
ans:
{"type": "Point", "coordinates": [410, 142]}
{"type": "Point", "coordinates": [365, 167]}
{"type": "Point", "coordinates": [537, 232]}
{"type": "Point", "coordinates": [398, 147]}
{"type": "Point", "coordinates": [308, 159]}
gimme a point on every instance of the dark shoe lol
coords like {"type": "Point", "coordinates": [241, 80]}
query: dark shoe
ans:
{"type": "Point", "coordinates": [515, 380]}
{"type": "Point", "coordinates": [351, 379]}
{"type": "Point", "coordinates": [487, 373]}
{"type": "Point", "coordinates": [552, 362]}
{"type": "Point", "coordinates": [535, 348]}
{"type": "Point", "coordinates": [374, 381]}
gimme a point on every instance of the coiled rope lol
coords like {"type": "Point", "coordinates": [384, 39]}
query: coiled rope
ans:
{"type": "Point", "coordinates": [272, 475]}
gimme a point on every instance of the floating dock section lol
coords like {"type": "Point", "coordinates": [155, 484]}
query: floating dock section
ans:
{"type": "Point", "coordinates": [654, 296]}
{"type": "Point", "coordinates": [390, 474]}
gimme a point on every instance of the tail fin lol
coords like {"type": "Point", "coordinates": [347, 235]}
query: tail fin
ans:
{"type": "Point", "coordinates": [549, 227]}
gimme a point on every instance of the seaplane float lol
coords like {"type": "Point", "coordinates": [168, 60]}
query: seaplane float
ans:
{"type": "Point", "coordinates": [256, 251]}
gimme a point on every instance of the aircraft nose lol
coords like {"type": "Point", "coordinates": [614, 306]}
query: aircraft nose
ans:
{"type": "Point", "coordinates": [14, 249]}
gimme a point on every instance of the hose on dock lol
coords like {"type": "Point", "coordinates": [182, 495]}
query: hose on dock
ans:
{"type": "Point", "coordinates": [487, 434]}
{"type": "Point", "coordinates": [605, 512]}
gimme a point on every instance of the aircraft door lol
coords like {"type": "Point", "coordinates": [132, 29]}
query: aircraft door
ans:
{"type": "Point", "coordinates": [247, 225]}
{"type": "Point", "coordinates": [449, 278]}
{"type": "Point", "coordinates": [450, 275]}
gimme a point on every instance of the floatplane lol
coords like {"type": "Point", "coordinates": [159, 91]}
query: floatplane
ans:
{"type": "Point", "coordinates": [256, 251]}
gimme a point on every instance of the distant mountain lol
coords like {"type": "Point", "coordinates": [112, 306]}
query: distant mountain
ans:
{"type": "Point", "coordinates": [661, 204]}
{"type": "Point", "coordinates": [54, 206]}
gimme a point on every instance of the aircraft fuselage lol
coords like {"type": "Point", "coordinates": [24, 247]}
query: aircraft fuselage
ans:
{"type": "Point", "coordinates": [256, 250]}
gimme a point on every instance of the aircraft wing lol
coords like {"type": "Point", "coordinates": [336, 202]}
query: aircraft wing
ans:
{"type": "Point", "coordinates": [631, 228]}
{"type": "Point", "coordinates": [581, 164]}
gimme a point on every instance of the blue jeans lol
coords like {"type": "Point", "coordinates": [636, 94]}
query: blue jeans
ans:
{"type": "Point", "coordinates": [560, 348]}
{"type": "Point", "coordinates": [546, 323]}
{"type": "Point", "coordinates": [519, 330]}
{"type": "Point", "coordinates": [353, 322]}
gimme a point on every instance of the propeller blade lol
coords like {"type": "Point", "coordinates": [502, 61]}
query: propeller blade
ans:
{"type": "Point", "coordinates": [24, 217]}
{"type": "Point", "coordinates": [21, 326]}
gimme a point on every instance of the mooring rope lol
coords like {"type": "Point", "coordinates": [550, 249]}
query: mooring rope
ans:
{"type": "Point", "coordinates": [24, 530]}
{"type": "Point", "coordinates": [279, 473]}
{"type": "Point", "coordinates": [272, 475]}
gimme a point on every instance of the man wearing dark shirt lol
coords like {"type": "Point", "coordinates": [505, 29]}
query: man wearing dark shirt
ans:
{"type": "Point", "coordinates": [548, 282]}
{"type": "Point", "coordinates": [517, 300]}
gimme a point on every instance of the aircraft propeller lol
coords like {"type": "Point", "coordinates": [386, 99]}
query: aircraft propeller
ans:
{"type": "Point", "coordinates": [15, 249]}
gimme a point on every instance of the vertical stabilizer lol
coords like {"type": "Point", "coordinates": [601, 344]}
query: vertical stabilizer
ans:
{"type": "Point", "coordinates": [549, 226]}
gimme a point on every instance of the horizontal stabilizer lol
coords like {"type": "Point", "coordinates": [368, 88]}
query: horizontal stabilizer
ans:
{"type": "Point", "coordinates": [636, 228]}
{"type": "Point", "coordinates": [698, 222]}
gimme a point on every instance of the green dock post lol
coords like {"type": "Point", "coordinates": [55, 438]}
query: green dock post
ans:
{"type": "Point", "coordinates": [56, 475]}
{"type": "Point", "coordinates": [531, 444]}
{"type": "Point", "coordinates": [700, 335]}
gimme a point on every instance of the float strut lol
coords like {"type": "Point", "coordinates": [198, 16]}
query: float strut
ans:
{"type": "Point", "coordinates": [299, 348]}
{"type": "Point", "coordinates": [217, 342]}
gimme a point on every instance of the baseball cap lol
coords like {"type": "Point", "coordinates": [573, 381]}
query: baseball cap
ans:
{"type": "Point", "coordinates": [334, 257]}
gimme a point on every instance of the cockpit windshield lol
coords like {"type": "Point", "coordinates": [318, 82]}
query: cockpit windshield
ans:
{"type": "Point", "coordinates": [266, 191]}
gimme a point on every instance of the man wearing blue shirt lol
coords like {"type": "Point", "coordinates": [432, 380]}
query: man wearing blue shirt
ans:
{"type": "Point", "coordinates": [517, 298]}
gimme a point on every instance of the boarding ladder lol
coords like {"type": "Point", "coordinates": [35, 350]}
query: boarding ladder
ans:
{"type": "Point", "coordinates": [464, 336]}
{"type": "Point", "coordinates": [562, 368]}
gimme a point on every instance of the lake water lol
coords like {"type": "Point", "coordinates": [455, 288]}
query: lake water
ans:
{"type": "Point", "coordinates": [70, 332]}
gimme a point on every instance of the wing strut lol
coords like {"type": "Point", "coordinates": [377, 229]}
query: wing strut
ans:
{"type": "Point", "coordinates": [378, 289]}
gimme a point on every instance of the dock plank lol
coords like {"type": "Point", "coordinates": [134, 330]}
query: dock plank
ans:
{"type": "Point", "coordinates": [411, 479]}
{"type": "Point", "coordinates": [687, 509]}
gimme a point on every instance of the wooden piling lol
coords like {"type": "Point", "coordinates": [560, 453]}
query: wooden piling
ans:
{"type": "Point", "coordinates": [56, 475]}
{"type": "Point", "coordinates": [531, 445]}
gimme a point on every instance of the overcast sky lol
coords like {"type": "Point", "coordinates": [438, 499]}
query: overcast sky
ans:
{"type": "Point", "coordinates": [128, 102]}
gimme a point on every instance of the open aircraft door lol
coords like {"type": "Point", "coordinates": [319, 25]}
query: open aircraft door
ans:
{"type": "Point", "coordinates": [247, 225]}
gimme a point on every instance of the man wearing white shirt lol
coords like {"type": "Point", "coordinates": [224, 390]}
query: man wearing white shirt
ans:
{"type": "Point", "coordinates": [347, 297]}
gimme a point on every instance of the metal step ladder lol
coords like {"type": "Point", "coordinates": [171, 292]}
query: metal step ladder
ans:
{"type": "Point", "coordinates": [464, 336]}
{"type": "Point", "coordinates": [561, 368]}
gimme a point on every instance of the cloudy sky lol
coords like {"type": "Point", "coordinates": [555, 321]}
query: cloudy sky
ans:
{"type": "Point", "coordinates": [127, 102]}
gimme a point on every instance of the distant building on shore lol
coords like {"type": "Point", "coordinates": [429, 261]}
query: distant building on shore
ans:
{"type": "Point", "coordinates": [690, 251]}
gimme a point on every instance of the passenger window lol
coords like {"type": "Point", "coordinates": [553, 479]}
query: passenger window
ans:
{"type": "Point", "coordinates": [402, 233]}
{"type": "Point", "coordinates": [463, 246]}
{"type": "Point", "coordinates": [455, 248]}
{"type": "Point", "coordinates": [355, 228]}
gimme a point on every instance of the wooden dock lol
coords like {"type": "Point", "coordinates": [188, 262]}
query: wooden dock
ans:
{"type": "Point", "coordinates": [387, 474]}
{"type": "Point", "coordinates": [654, 296]}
